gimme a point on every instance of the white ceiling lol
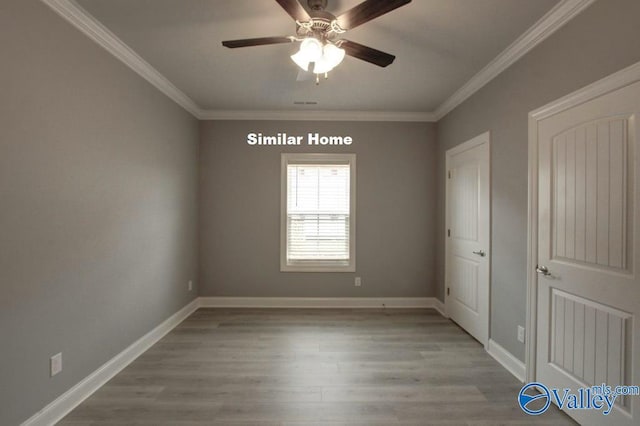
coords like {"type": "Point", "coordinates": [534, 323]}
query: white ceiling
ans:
{"type": "Point", "coordinates": [439, 45]}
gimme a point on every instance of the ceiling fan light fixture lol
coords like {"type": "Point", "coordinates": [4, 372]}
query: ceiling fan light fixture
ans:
{"type": "Point", "coordinates": [311, 48]}
{"type": "Point", "coordinates": [333, 54]}
{"type": "Point", "coordinates": [301, 60]}
{"type": "Point", "coordinates": [331, 57]}
{"type": "Point", "coordinates": [322, 66]}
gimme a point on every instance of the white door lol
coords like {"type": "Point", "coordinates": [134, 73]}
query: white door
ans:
{"type": "Point", "coordinates": [468, 234]}
{"type": "Point", "coordinates": [589, 252]}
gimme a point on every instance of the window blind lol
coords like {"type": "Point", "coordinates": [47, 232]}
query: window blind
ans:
{"type": "Point", "coordinates": [318, 207]}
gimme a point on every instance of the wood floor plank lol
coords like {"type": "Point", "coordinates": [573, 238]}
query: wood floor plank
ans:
{"type": "Point", "coordinates": [311, 367]}
{"type": "Point", "coordinates": [416, 393]}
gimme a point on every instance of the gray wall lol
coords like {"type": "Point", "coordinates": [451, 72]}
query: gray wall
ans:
{"type": "Point", "coordinates": [240, 211]}
{"type": "Point", "coordinates": [98, 195]}
{"type": "Point", "coordinates": [601, 40]}
{"type": "Point", "coordinates": [98, 176]}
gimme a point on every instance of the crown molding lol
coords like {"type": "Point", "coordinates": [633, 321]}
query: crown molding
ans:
{"type": "Point", "coordinates": [547, 25]}
{"type": "Point", "coordinates": [553, 20]}
{"type": "Point", "coordinates": [311, 115]}
{"type": "Point", "coordinates": [97, 32]}
{"type": "Point", "coordinates": [615, 81]}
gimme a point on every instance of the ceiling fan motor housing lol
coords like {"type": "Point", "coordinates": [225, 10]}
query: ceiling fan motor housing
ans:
{"type": "Point", "coordinates": [322, 25]}
{"type": "Point", "coordinates": [317, 4]}
{"type": "Point", "coordinates": [319, 26]}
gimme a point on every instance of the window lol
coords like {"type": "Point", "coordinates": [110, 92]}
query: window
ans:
{"type": "Point", "coordinates": [318, 213]}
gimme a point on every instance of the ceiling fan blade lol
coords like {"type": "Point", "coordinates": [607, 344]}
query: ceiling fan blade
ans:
{"type": "Point", "coordinates": [295, 10]}
{"type": "Point", "coordinates": [247, 42]}
{"type": "Point", "coordinates": [368, 10]}
{"type": "Point", "coordinates": [367, 54]}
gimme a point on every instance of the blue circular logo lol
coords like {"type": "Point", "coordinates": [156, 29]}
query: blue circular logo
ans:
{"type": "Point", "coordinates": [537, 392]}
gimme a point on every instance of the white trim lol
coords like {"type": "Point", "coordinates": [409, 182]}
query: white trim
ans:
{"type": "Point", "coordinates": [470, 144]}
{"type": "Point", "coordinates": [438, 305]}
{"type": "Point", "coordinates": [532, 253]}
{"type": "Point", "coordinates": [97, 32]}
{"type": "Point", "coordinates": [611, 83]}
{"type": "Point", "coordinates": [562, 13]}
{"type": "Point", "coordinates": [484, 138]}
{"type": "Point", "coordinates": [547, 25]}
{"type": "Point", "coordinates": [326, 266]}
{"type": "Point", "coordinates": [614, 82]}
{"type": "Point", "coordinates": [321, 302]}
{"type": "Point", "coordinates": [507, 360]}
{"type": "Point", "coordinates": [309, 115]}
{"type": "Point", "coordinates": [66, 402]}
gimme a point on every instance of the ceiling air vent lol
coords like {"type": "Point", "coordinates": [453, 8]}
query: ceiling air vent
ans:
{"type": "Point", "coordinates": [305, 102]}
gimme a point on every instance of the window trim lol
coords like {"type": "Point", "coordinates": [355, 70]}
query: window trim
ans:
{"type": "Point", "coordinates": [318, 266]}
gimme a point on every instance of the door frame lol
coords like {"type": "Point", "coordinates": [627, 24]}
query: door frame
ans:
{"type": "Point", "coordinates": [611, 83]}
{"type": "Point", "coordinates": [484, 138]}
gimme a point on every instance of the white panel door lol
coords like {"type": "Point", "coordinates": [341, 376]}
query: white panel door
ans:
{"type": "Point", "coordinates": [467, 248]}
{"type": "Point", "coordinates": [588, 251]}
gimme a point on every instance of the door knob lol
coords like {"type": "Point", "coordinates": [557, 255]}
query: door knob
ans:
{"type": "Point", "coordinates": [543, 270]}
{"type": "Point", "coordinates": [480, 253]}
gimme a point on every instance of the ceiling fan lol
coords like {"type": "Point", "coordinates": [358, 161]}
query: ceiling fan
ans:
{"type": "Point", "coordinates": [319, 32]}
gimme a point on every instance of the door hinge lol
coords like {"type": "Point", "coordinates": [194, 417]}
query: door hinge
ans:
{"type": "Point", "coordinates": [449, 174]}
{"type": "Point", "coordinates": [448, 232]}
{"type": "Point", "coordinates": [448, 291]}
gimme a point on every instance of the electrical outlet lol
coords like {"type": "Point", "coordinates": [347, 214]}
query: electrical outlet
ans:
{"type": "Point", "coordinates": [358, 282]}
{"type": "Point", "coordinates": [190, 285]}
{"type": "Point", "coordinates": [520, 334]}
{"type": "Point", "coordinates": [55, 364]}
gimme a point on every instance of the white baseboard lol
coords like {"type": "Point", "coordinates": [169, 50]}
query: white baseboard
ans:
{"type": "Point", "coordinates": [440, 307]}
{"type": "Point", "coordinates": [66, 402]}
{"type": "Point", "coordinates": [508, 361]}
{"type": "Point", "coordinates": [321, 302]}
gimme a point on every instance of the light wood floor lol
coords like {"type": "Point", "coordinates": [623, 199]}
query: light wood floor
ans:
{"type": "Point", "coordinates": [312, 367]}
